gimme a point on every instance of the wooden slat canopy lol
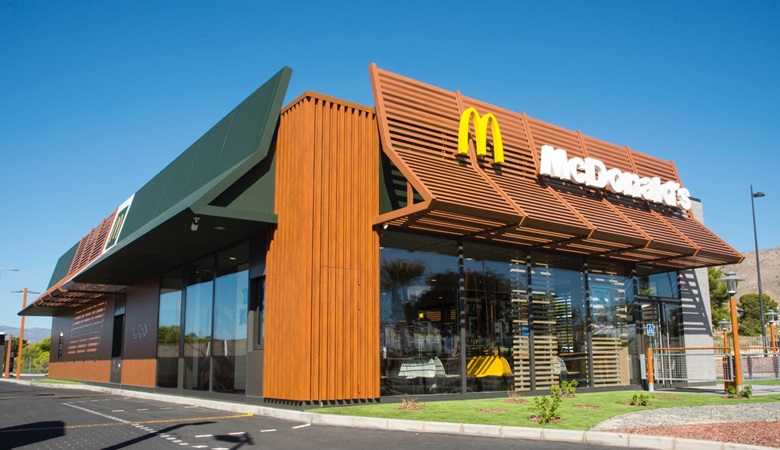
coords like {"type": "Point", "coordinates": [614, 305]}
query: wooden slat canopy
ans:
{"type": "Point", "coordinates": [472, 197]}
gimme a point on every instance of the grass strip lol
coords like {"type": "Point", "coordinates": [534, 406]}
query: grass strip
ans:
{"type": "Point", "coordinates": [579, 413]}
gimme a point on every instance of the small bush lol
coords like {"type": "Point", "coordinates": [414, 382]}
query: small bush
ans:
{"type": "Point", "coordinates": [556, 391]}
{"type": "Point", "coordinates": [640, 400]}
{"type": "Point", "coordinates": [731, 390]}
{"type": "Point", "coordinates": [746, 391]}
{"type": "Point", "coordinates": [546, 408]}
{"type": "Point", "coordinates": [569, 388]}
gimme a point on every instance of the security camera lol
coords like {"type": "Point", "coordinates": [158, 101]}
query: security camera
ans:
{"type": "Point", "coordinates": [194, 226]}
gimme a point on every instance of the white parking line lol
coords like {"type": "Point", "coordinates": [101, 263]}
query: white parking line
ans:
{"type": "Point", "coordinates": [302, 426]}
{"type": "Point", "coordinates": [204, 435]}
{"type": "Point", "coordinates": [268, 431]}
{"type": "Point", "coordinates": [117, 410]}
{"type": "Point", "coordinates": [147, 409]}
{"type": "Point", "coordinates": [199, 446]}
{"type": "Point", "coordinates": [237, 433]}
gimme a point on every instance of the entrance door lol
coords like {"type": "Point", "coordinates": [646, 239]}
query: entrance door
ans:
{"type": "Point", "coordinates": [661, 325]}
{"type": "Point", "coordinates": [117, 342]}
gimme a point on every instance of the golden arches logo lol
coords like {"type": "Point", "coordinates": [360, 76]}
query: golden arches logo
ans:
{"type": "Point", "coordinates": [480, 131]}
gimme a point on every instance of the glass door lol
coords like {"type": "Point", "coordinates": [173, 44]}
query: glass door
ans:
{"type": "Point", "coordinates": [661, 325]}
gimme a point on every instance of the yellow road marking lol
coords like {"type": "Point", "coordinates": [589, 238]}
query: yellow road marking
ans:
{"type": "Point", "coordinates": [144, 422]}
{"type": "Point", "coordinates": [115, 424]}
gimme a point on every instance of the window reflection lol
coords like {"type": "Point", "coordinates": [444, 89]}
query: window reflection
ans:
{"type": "Point", "coordinates": [169, 329]}
{"type": "Point", "coordinates": [418, 320]}
{"type": "Point", "coordinates": [230, 320]}
{"type": "Point", "coordinates": [197, 324]}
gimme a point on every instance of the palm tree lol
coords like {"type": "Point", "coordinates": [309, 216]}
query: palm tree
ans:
{"type": "Point", "coordinates": [396, 276]}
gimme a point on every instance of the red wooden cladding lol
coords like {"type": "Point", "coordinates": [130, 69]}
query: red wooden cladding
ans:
{"type": "Point", "coordinates": [91, 246]}
{"type": "Point", "coordinates": [418, 126]}
{"type": "Point", "coordinates": [322, 285]}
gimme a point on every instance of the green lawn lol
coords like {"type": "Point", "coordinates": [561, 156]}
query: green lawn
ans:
{"type": "Point", "coordinates": [55, 381]}
{"type": "Point", "coordinates": [765, 382]}
{"type": "Point", "coordinates": [499, 412]}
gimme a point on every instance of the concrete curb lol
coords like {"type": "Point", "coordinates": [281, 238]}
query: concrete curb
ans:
{"type": "Point", "coordinates": [625, 440]}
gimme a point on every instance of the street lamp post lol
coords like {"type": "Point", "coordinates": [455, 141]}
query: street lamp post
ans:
{"type": "Point", "coordinates": [731, 279]}
{"type": "Point", "coordinates": [21, 330]}
{"type": "Point", "coordinates": [753, 196]}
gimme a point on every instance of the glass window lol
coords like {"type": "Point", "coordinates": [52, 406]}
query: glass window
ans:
{"type": "Point", "coordinates": [230, 320]}
{"type": "Point", "coordinates": [557, 317]}
{"type": "Point", "coordinates": [169, 329]}
{"type": "Point", "coordinates": [495, 281]}
{"type": "Point", "coordinates": [663, 285]}
{"type": "Point", "coordinates": [611, 333]}
{"type": "Point", "coordinates": [197, 323]}
{"type": "Point", "coordinates": [419, 337]}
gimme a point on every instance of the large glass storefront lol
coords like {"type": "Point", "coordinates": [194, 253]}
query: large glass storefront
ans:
{"type": "Point", "coordinates": [202, 332]}
{"type": "Point", "coordinates": [530, 319]}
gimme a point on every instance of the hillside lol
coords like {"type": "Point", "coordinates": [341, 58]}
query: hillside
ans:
{"type": "Point", "coordinates": [30, 334]}
{"type": "Point", "coordinates": [770, 272]}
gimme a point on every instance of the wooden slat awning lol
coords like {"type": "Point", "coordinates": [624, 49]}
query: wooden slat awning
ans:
{"type": "Point", "coordinates": [472, 197]}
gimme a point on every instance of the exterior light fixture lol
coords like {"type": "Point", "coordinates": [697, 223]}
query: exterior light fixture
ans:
{"type": "Point", "coordinates": [194, 226]}
{"type": "Point", "coordinates": [754, 195]}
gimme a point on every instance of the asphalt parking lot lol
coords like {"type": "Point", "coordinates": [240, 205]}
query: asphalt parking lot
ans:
{"type": "Point", "coordinates": [45, 417]}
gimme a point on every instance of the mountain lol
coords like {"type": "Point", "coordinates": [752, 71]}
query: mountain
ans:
{"type": "Point", "coordinates": [30, 334]}
{"type": "Point", "coordinates": [770, 273]}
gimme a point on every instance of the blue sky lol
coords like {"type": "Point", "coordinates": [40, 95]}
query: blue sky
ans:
{"type": "Point", "coordinates": [97, 97]}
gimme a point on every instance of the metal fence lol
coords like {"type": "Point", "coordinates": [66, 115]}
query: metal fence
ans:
{"type": "Point", "coordinates": [712, 364]}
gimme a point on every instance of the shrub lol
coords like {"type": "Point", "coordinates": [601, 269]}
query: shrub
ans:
{"type": "Point", "coordinates": [556, 391]}
{"type": "Point", "coordinates": [546, 408]}
{"type": "Point", "coordinates": [731, 390]}
{"type": "Point", "coordinates": [640, 400]}
{"type": "Point", "coordinates": [569, 388]}
{"type": "Point", "coordinates": [746, 391]}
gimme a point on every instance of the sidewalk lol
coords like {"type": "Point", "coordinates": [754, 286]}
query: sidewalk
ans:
{"type": "Point", "coordinates": [624, 440]}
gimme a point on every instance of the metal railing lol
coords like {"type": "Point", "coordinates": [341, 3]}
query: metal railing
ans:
{"type": "Point", "coordinates": [710, 364]}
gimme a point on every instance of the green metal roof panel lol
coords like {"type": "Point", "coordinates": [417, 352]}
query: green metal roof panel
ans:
{"type": "Point", "coordinates": [209, 166]}
{"type": "Point", "coordinates": [63, 266]}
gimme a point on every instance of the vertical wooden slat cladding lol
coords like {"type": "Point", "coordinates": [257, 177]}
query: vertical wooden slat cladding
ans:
{"type": "Point", "coordinates": [97, 371]}
{"type": "Point", "coordinates": [322, 282]}
{"type": "Point", "coordinates": [139, 372]}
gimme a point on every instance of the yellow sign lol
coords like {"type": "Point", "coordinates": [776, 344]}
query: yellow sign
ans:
{"type": "Point", "coordinates": [480, 130]}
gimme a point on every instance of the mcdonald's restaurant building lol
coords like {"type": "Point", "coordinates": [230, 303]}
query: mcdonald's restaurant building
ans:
{"type": "Point", "coordinates": [326, 251]}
